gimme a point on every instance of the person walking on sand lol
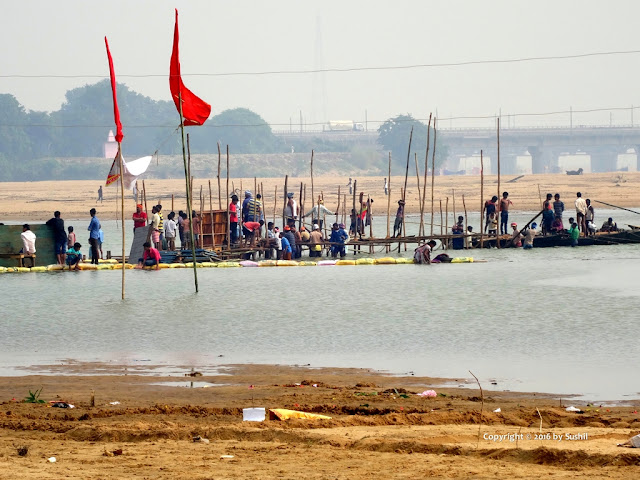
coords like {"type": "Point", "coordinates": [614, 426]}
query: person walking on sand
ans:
{"type": "Point", "coordinates": [581, 212]}
{"type": "Point", "coordinates": [99, 195]}
{"type": "Point", "coordinates": [94, 235]}
{"type": "Point", "coordinates": [504, 212]}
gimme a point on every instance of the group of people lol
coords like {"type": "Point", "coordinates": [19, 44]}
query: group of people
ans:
{"type": "Point", "coordinates": [161, 233]}
{"type": "Point", "coordinates": [288, 244]}
{"type": "Point", "coordinates": [66, 247]}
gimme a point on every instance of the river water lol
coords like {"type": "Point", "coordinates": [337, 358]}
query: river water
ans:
{"type": "Point", "coordinates": [559, 320]}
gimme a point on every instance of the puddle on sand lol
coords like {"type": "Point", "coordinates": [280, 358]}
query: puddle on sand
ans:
{"type": "Point", "coordinates": [190, 384]}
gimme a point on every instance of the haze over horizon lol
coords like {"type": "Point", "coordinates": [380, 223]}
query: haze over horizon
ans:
{"type": "Point", "coordinates": [66, 39]}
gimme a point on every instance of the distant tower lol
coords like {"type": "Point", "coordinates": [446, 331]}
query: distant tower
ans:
{"type": "Point", "coordinates": [319, 82]}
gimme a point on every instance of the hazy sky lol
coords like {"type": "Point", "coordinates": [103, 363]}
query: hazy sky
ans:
{"type": "Point", "coordinates": [53, 37]}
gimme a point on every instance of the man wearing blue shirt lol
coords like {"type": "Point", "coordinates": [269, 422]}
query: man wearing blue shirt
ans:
{"type": "Point", "coordinates": [94, 235]}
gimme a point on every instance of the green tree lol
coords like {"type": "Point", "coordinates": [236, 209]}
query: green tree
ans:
{"type": "Point", "coordinates": [15, 143]}
{"type": "Point", "coordinates": [394, 134]}
{"type": "Point", "coordinates": [244, 131]}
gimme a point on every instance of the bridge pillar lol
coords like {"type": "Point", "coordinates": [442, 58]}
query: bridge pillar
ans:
{"type": "Point", "coordinates": [508, 164]}
{"type": "Point", "coordinates": [541, 159]}
{"type": "Point", "coordinates": [604, 160]}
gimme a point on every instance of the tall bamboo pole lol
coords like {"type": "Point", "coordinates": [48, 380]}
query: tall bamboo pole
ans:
{"type": "Point", "coordinates": [433, 169]}
{"type": "Point", "coordinates": [466, 222]}
{"type": "Point", "coordinates": [172, 209]}
{"type": "Point", "coordinates": [446, 224]}
{"type": "Point", "coordinates": [338, 208]}
{"type": "Point", "coordinates": [275, 205]}
{"type": "Point", "coordinates": [122, 211]}
{"type": "Point", "coordinates": [406, 178]}
{"type": "Point", "coordinates": [481, 200]}
{"type": "Point", "coordinates": [389, 202]}
{"type": "Point", "coordinates": [227, 202]}
{"type": "Point", "coordinates": [284, 207]}
{"type": "Point", "coordinates": [424, 185]}
{"type": "Point", "coordinates": [419, 191]}
{"type": "Point", "coordinates": [300, 208]}
{"type": "Point", "coordinates": [453, 193]}
{"type": "Point", "coordinates": [441, 219]}
{"type": "Point", "coordinates": [213, 236]}
{"type": "Point", "coordinates": [313, 197]}
{"type": "Point", "coordinates": [219, 191]}
{"type": "Point", "coordinates": [186, 176]}
{"type": "Point", "coordinates": [499, 195]}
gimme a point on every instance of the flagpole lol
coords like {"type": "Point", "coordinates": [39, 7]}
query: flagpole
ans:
{"type": "Point", "coordinates": [187, 180]}
{"type": "Point", "coordinates": [122, 211]}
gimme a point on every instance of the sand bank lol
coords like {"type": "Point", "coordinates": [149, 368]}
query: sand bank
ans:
{"type": "Point", "coordinates": [36, 201]}
{"type": "Point", "coordinates": [379, 428]}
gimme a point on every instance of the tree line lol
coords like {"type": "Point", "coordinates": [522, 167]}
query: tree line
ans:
{"type": "Point", "coordinates": [34, 144]}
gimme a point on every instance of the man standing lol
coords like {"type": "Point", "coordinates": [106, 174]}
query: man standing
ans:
{"type": "Point", "coordinates": [489, 208]}
{"type": "Point", "coordinates": [291, 210]}
{"type": "Point", "coordinates": [504, 212]}
{"type": "Point", "coordinates": [386, 187]}
{"type": "Point", "coordinates": [315, 242]}
{"type": "Point", "coordinates": [245, 206]}
{"type": "Point", "coordinates": [350, 185]}
{"type": "Point", "coordinates": [94, 235]}
{"type": "Point", "coordinates": [160, 224]}
{"type": "Point", "coordinates": [154, 228]}
{"type": "Point", "coordinates": [318, 212]}
{"type": "Point", "coordinates": [589, 218]}
{"type": "Point", "coordinates": [581, 211]}
{"type": "Point", "coordinates": [99, 195]}
{"type": "Point", "coordinates": [558, 206]}
{"type": "Point", "coordinates": [397, 225]}
{"type": "Point", "coordinates": [254, 209]}
{"type": "Point", "coordinates": [139, 218]}
{"type": "Point", "coordinates": [337, 239]}
{"type": "Point", "coordinates": [233, 219]}
{"type": "Point", "coordinates": [59, 236]}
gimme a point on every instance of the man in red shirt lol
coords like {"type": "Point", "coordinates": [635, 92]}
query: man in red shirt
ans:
{"type": "Point", "coordinates": [139, 218]}
{"type": "Point", "coordinates": [233, 219]}
{"type": "Point", "coordinates": [150, 257]}
{"type": "Point", "coordinates": [249, 230]}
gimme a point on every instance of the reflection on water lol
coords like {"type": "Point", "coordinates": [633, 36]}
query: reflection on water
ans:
{"type": "Point", "coordinates": [558, 320]}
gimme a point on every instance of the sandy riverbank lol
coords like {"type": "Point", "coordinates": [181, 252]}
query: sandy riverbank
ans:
{"type": "Point", "coordinates": [36, 201]}
{"type": "Point", "coordinates": [379, 427]}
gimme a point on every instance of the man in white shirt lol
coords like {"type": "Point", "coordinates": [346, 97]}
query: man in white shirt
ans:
{"type": "Point", "coordinates": [28, 241]}
{"type": "Point", "coordinates": [581, 211]}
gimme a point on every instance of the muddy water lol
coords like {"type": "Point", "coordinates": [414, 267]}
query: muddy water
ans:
{"type": "Point", "coordinates": [557, 320]}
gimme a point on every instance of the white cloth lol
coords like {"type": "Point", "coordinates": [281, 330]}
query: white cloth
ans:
{"type": "Point", "coordinates": [170, 229]}
{"type": "Point", "coordinates": [581, 205]}
{"type": "Point", "coordinates": [28, 242]}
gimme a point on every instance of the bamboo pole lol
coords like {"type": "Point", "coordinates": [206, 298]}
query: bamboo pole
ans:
{"type": "Point", "coordinates": [453, 193]}
{"type": "Point", "coordinates": [406, 178]}
{"type": "Point", "coordinates": [389, 202]}
{"type": "Point", "coordinates": [446, 223]}
{"type": "Point", "coordinates": [213, 237]}
{"type": "Point", "coordinates": [419, 191]}
{"type": "Point", "coordinates": [402, 194]}
{"type": "Point", "coordinates": [433, 170]}
{"type": "Point", "coordinates": [300, 208]}
{"type": "Point", "coordinates": [355, 215]}
{"type": "Point", "coordinates": [424, 185]}
{"type": "Point", "coordinates": [172, 202]}
{"type": "Point", "coordinates": [338, 208]}
{"type": "Point", "coordinates": [313, 197]}
{"type": "Point", "coordinates": [121, 211]}
{"type": "Point", "coordinates": [227, 201]}
{"type": "Point", "coordinates": [275, 205]}
{"type": "Point", "coordinates": [284, 207]}
{"type": "Point", "coordinates": [370, 215]}
{"type": "Point", "coordinates": [441, 219]}
{"type": "Point", "coordinates": [499, 195]}
{"type": "Point", "coordinates": [481, 200]}
{"type": "Point", "coordinates": [187, 173]}
{"type": "Point", "coordinates": [219, 191]}
{"type": "Point", "coordinates": [466, 221]}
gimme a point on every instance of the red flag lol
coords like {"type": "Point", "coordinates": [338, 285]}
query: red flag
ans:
{"type": "Point", "coordinates": [116, 112]}
{"type": "Point", "coordinates": [195, 111]}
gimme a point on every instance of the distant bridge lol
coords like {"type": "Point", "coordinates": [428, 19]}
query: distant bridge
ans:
{"type": "Point", "coordinates": [545, 145]}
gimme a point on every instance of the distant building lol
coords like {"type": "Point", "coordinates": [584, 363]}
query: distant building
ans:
{"type": "Point", "coordinates": [110, 147]}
